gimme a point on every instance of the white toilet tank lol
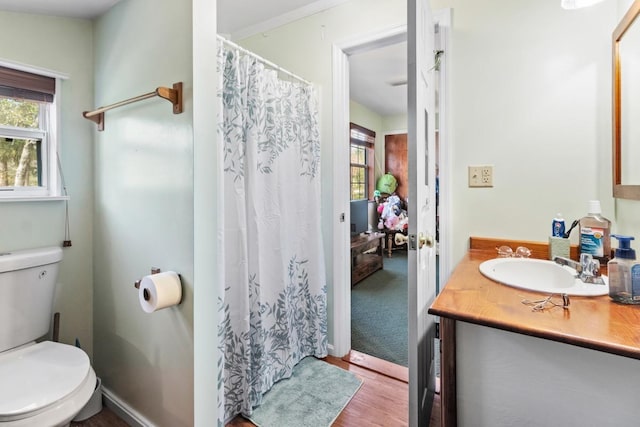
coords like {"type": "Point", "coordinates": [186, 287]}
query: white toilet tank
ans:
{"type": "Point", "coordinates": [27, 285]}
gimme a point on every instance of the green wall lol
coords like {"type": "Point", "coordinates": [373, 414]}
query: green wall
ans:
{"type": "Point", "coordinates": [144, 208]}
{"type": "Point", "coordinates": [362, 116]}
{"type": "Point", "coordinates": [530, 94]}
{"type": "Point", "coordinates": [63, 45]}
{"type": "Point", "coordinates": [381, 125]}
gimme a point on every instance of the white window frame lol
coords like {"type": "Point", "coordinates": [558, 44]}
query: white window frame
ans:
{"type": "Point", "coordinates": [51, 188]}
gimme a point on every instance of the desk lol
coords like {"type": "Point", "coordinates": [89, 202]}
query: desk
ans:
{"type": "Point", "coordinates": [366, 256]}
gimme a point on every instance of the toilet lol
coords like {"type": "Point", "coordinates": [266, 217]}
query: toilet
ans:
{"type": "Point", "coordinates": [43, 384]}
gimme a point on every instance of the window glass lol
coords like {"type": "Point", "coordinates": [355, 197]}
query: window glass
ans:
{"type": "Point", "coordinates": [28, 161]}
{"type": "Point", "coordinates": [19, 162]}
{"type": "Point", "coordinates": [361, 156]}
{"type": "Point", "coordinates": [358, 182]}
{"type": "Point", "coordinates": [17, 113]}
{"type": "Point", "coordinates": [358, 154]}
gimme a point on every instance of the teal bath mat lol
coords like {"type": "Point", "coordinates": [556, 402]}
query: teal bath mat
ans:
{"type": "Point", "coordinates": [314, 396]}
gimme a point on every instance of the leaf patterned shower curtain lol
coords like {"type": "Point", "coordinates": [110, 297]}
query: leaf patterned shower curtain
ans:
{"type": "Point", "coordinates": [272, 310]}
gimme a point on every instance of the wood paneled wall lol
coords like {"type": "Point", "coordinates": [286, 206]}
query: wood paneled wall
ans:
{"type": "Point", "coordinates": [395, 162]}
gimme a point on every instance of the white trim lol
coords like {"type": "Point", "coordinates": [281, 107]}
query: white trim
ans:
{"type": "Point", "coordinates": [331, 350]}
{"type": "Point", "coordinates": [207, 216]}
{"type": "Point", "coordinates": [31, 69]}
{"type": "Point", "coordinates": [285, 18]}
{"type": "Point", "coordinates": [394, 132]}
{"type": "Point", "coordinates": [124, 411]}
{"type": "Point", "coordinates": [22, 133]}
{"type": "Point", "coordinates": [443, 18]}
{"type": "Point", "coordinates": [55, 162]}
{"type": "Point", "coordinates": [341, 235]}
{"type": "Point", "coordinates": [39, 198]}
{"type": "Point", "coordinates": [374, 40]}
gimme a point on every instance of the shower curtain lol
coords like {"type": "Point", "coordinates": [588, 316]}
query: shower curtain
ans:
{"type": "Point", "coordinates": [272, 310]}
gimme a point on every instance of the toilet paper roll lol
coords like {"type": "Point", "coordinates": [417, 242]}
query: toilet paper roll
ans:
{"type": "Point", "coordinates": [158, 291]}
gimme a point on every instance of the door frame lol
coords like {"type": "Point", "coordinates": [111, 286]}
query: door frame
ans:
{"type": "Point", "coordinates": [341, 274]}
{"type": "Point", "coordinates": [341, 232]}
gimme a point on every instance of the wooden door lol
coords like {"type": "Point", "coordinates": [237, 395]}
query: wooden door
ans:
{"type": "Point", "coordinates": [395, 162]}
{"type": "Point", "coordinates": [421, 209]}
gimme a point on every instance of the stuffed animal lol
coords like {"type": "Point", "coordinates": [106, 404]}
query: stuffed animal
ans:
{"type": "Point", "coordinates": [387, 183]}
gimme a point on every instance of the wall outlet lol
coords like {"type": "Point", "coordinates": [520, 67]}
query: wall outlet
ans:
{"type": "Point", "coordinates": [481, 176]}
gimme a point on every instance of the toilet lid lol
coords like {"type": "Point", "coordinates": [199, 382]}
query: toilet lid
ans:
{"type": "Point", "coordinates": [39, 375]}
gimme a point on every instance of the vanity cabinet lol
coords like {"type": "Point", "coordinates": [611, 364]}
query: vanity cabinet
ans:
{"type": "Point", "coordinates": [505, 365]}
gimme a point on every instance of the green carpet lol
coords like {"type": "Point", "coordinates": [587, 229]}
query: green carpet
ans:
{"type": "Point", "coordinates": [314, 396]}
{"type": "Point", "coordinates": [379, 312]}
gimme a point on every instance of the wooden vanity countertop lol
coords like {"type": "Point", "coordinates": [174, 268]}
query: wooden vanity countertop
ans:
{"type": "Point", "coordinates": [592, 322]}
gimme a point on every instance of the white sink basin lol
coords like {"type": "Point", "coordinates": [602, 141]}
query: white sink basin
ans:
{"type": "Point", "coordinates": [541, 276]}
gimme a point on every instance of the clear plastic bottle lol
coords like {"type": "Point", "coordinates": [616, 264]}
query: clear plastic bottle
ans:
{"type": "Point", "coordinates": [595, 234]}
{"type": "Point", "coordinates": [622, 286]}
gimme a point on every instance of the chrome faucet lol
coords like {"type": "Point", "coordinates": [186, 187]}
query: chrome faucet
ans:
{"type": "Point", "coordinates": [588, 269]}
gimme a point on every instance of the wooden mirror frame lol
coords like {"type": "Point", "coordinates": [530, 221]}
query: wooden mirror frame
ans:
{"type": "Point", "coordinates": [622, 191]}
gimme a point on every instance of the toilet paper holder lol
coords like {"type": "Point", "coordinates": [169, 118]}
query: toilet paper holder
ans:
{"type": "Point", "coordinates": [136, 284]}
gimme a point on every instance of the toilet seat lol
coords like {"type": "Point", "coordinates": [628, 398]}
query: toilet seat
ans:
{"type": "Point", "coordinates": [46, 382]}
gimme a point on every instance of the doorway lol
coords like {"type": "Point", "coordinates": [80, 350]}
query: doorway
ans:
{"type": "Point", "coordinates": [377, 97]}
{"type": "Point", "coordinates": [378, 104]}
{"type": "Point", "coordinates": [341, 114]}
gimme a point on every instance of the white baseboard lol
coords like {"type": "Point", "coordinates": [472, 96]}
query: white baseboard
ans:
{"type": "Point", "coordinates": [124, 411]}
{"type": "Point", "coordinates": [330, 349]}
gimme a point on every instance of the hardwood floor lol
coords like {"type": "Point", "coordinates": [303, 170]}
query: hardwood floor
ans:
{"type": "Point", "coordinates": [375, 364]}
{"type": "Point", "coordinates": [104, 418]}
{"type": "Point", "coordinates": [381, 401]}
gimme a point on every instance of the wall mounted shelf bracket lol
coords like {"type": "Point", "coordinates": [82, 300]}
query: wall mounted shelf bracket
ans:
{"type": "Point", "coordinates": [172, 95]}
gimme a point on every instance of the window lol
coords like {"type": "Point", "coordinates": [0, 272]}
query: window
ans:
{"type": "Point", "coordinates": [28, 160]}
{"type": "Point", "coordinates": [361, 153]}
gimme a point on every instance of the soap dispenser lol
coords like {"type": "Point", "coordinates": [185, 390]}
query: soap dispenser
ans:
{"type": "Point", "coordinates": [623, 287]}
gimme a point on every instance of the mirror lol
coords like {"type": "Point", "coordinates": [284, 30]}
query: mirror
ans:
{"type": "Point", "coordinates": [626, 105]}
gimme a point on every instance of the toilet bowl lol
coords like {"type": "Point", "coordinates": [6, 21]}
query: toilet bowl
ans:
{"type": "Point", "coordinates": [44, 384]}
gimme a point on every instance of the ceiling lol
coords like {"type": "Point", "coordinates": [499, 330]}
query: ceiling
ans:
{"type": "Point", "coordinates": [372, 73]}
{"type": "Point", "coordinates": [70, 8]}
{"type": "Point", "coordinates": [378, 79]}
{"type": "Point", "coordinates": [242, 18]}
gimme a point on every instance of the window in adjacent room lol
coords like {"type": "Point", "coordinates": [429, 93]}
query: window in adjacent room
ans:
{"type": "Point", "coordinates": [362, 142]}
{"type": "Point", "coordinates": [28, 160]}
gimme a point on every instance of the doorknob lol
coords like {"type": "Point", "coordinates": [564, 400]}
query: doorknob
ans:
{"type": "Point", "coordinates": [425, 240]}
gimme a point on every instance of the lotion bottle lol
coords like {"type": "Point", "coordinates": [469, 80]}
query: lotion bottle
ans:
{"type": "Point", "coordinates": [595, 234]}
{"type": "Point", "coordinates": [623, 287]}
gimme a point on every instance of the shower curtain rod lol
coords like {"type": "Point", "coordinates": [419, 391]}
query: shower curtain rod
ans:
{"type": "Point", "coordinates": [261, 59]}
